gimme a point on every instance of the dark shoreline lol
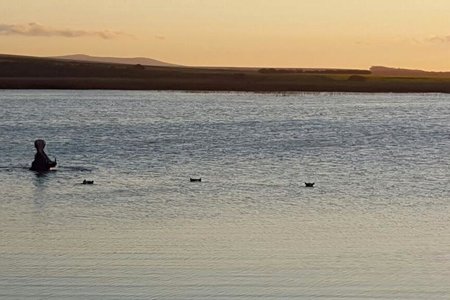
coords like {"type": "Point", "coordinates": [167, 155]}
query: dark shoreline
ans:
{"type": "Point", "coordinates": [372, 86]}
{"type": "Point", "coordinates": [17, 72]}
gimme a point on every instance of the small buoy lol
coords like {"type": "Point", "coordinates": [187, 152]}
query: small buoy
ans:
{"type": "Point", "coordinates": [88, 181]}
{"type": "Point", "coordinates": [195, 179]}
{"type": "Point", "coordinates": [309, 184]}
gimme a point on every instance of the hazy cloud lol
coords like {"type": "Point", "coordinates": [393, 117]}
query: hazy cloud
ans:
{"type": "Point", "coordinates": [439, 39]}
{"type": "Point", "coordinates": [160, 37]}
{"type": "Point", "coordinates": [35, 29]}
{"type": "Point", "coordinates": [362, 43]}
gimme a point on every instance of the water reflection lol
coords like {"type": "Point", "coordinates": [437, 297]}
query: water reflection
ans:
{"type": "Point", "coordinates": [42, 178]}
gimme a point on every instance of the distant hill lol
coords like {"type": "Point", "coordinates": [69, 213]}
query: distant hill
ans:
{"type": "Point", "coordinates": [117, 60]}
{"type": "Point", "coordinates": [398, 72]}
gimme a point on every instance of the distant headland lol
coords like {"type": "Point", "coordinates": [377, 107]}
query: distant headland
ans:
{"type": "Point", "coordinates": [87, 72]}
{"type": "Point", "coordinates": [116, 60]}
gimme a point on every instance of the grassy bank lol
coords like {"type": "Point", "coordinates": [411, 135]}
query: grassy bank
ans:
{"type": "Point", "coordinates": [18, 72]}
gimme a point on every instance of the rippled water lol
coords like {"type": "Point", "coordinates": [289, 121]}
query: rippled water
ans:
{"type": "Point", "coordinates": [375, 226]}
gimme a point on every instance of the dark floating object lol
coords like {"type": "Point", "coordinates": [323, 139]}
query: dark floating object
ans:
{"type": "Point", "coordinates": [195, 179]}
{"type": "Point", "coordinates": [88, 181]}
{"type": "Point", "coordinates": [309, 184]}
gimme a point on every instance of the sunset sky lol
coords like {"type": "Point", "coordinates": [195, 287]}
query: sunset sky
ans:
{"type": "Point", "coordinates": [282, 33]}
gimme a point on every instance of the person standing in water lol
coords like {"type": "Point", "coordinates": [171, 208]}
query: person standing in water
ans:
{"type": "Point", "coordinates": [41, 161]}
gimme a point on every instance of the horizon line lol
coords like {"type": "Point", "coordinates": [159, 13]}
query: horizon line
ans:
{"type": "Point", "coordinates": [226, 67]}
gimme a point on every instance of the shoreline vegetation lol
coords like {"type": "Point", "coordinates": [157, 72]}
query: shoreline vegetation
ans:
{"type": "Point", "coordinates": [25, 72]}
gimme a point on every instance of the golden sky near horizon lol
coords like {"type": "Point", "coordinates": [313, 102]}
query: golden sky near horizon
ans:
{"type": "Point", "coordinates": [280, 33]}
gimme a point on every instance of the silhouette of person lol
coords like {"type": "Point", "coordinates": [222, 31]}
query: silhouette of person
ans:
{"type": "Point", "coordinates": [41, 161]}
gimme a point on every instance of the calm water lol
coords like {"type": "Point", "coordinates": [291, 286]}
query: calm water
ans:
{"type": "Point", "coordinates": [376, 226]}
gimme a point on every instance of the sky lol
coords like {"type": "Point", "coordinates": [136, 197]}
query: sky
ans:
{"type": "Point", "coordinates": [251, 33]}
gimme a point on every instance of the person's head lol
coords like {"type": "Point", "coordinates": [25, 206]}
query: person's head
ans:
{"type": "Point", "coordinates": [39, 144]}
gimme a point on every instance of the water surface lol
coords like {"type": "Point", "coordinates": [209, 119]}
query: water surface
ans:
{"type": "Point", "coordinates": [375, 226]}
